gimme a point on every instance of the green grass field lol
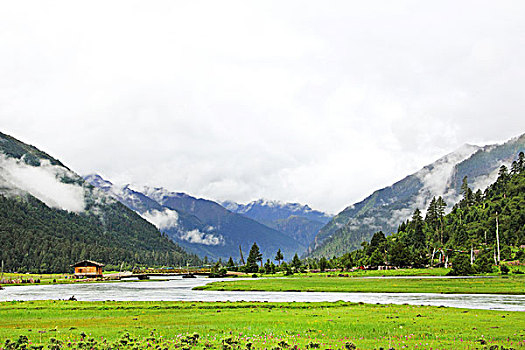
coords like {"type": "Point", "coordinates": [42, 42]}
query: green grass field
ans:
{"type": "Point", "coordinates": [18, 279]}
{"type": "Point", "coordinates": [430, 271]}
{"type": "Point", "coordinates": [397, 272]}
{"type": "Point", "coordinates": [44, 278]}
{"type": "Point", "coordinates": [63, 324]}
{"type": "Point", "coordinates": [314, 283]}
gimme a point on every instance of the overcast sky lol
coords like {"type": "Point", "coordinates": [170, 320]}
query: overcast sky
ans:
{"type": "Point", "coordinates": [316, 102]}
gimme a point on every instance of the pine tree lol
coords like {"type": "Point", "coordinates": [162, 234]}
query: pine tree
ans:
{"type": "Point", "coordinates": [230, 263]}
{"type": "Point", "coordinates": [253, 257]}
{"type": "Point", "coordinates": [296, 262]}
{"type": "Point", "coordinates": [279, 257]}
{"type": "Point", "coordinates": [323, 264]}
{"type": "Point", "coordinates": [347, 261]}
{"type": "Point", "coordinates": [503, 174]}
{"type": "Point", "coordinates": [398, 254]}
{"type": "Point", "coordinates": [521, 162]}
{"type": "Point", "coordinates": [440, 210]}
{"type": "Point", "coordinates": [418, 236]}
{"type": "Point", "coordinates": [468, 196]}
{"type": "Point", "coordinates": [478, 197]}
{"type": "Point", "coordinates": [432, 219]}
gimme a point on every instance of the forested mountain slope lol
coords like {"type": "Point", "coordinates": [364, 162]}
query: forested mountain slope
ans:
{"type": "Point", "coordinates": [481, 225]}
{"type": "Point", "coordinates": [50, 218]}
{"type": "Point", "coordinates": [385, 208]}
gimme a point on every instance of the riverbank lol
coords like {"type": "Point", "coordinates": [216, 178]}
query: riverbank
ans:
{"type": "Point", "coordinates": [14, 280]}
{"type": "Point", "coordinates": [323, 283]}
{"type": "Point", "coordinates": [264, 325]}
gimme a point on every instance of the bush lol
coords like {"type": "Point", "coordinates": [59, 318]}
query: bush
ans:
{"type": "Point", "coordinates": [504, 269]}
{"type": "Point", "coordinates": [461, 266]}
{"type": "Point", "coordinates": [484, 262]}
{"type": "Point", "coordinates": [520, 255]}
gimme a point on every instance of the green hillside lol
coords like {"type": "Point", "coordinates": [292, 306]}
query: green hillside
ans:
{"type": "Point", "coordinates": [385, 208]}
{"type": "Point", "coordinates": [35, 237]}
{"type": "Point", "coordinates": [470, 231]}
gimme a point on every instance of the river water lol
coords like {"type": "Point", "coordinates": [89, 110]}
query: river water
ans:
{"type": "Point", "coordinates": [178, 289]}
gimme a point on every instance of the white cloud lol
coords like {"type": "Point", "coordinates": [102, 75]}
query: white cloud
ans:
{"type": "Point", "coordinates": [483, 181]}
{"type": "Point", "coordinates": [42, 182]}
{"type": "Point", "coordinates": [169, 219]}
{"type": "Point", "coordinates": [295, 101]}
{"type": "Point", "coordinates": [195, 236]}
{"type": "Point", "coordinates": [164, 219]}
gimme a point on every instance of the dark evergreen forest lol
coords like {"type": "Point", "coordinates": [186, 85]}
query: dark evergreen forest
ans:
{"type": "Point", "coordinates": [36, 238]}
{"type": "Point", "coordinates": [469, 232]}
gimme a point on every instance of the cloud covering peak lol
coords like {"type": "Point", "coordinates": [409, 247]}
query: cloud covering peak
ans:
{"type": "Point", "coordinates": [43, 182]}
{"type": "Point", "coordinates": [168, 219]}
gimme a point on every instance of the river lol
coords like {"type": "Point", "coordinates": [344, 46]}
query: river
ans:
{"type": "Point", "coordinates": [178, 289]}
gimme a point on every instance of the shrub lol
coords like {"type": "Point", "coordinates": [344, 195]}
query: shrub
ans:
{"type": "Point", "coordinates": [484, 262]}
{"type": "Point", "coordinates": [461, 266]}
{"type": "Point", "coordinates": [350, 346]}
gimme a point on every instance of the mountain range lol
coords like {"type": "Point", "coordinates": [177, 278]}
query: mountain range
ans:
{"type": "Point", "coordinates": [388, 207]}
{"type": "Point", "coordinates": [199, 225]}
{"type": "Point", "coordinates": [297, 220]}
{"type": "Point", "coordinates": [50, 218]}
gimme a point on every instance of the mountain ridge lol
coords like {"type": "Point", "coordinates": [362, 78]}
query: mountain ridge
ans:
{"type": "Point", "coordinates": [201, 225]}
{"type": "Point", "coordinates": [387, 207]}
{"type": "Point", "coordinates": [50, 218]}
{"type": "Point", "coordinates": [297, 220]}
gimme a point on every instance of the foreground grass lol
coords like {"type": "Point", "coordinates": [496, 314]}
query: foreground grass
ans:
{"type": "Point", "coordinates": [309, 283]}
{"type": "Point", "coordinates": [63, 324]}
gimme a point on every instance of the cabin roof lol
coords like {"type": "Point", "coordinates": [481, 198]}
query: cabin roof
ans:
{"type": "Point", "coordinates": [87, 263]}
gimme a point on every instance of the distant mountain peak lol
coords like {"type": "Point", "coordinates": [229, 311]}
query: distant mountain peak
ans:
{"type": "Point", "coordinates": [158, 193]}
{"type": "Point", "coordinates": [297, 220]}
{"type": "Point", "coordinates": [269, 203]}
{"type": "Point", "coordinates": [199, 225]}
{"type": "Point", "coordinates": [97, 180]}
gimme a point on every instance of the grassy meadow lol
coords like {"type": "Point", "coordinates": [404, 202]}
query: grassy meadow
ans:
{"type": "Point", "coordinates": [427, 271]}
{"type": "Point", "coordinates": [324, 283]}
{"type": "Point", "coordinates": [241, 325]}
{"type": "Point", "coordinates": [49, 278]}
{"type": "Point", "coordinates": [23, 279]}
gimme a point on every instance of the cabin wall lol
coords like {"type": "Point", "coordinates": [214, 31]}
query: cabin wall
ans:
{"type": "Point", "coordinates": [88, 271]}
{"type": "Point", "coordinates": [92, 270]}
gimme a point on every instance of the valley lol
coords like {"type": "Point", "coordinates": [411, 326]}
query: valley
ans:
{"type": "Point", "coordinates": [297, 254]}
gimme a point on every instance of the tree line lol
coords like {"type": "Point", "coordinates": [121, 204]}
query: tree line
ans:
{"type": "Point", "coordinates": [482, 229]}
{"type": "Point", "coordinates": [38, 239]}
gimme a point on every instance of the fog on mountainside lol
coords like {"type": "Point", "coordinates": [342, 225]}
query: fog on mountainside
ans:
{"type": "Point", "coordinates": [51, 218]}
{"type": "Point", "coordinates": [199, 225]}
{"type": "Point", "coordinates": [386, 208]}
{"type": "Point", "coordinates": [30, 178]}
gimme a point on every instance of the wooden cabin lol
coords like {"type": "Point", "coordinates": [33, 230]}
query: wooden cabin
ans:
{"type": "Point", "coordinates": [88, 268]}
